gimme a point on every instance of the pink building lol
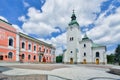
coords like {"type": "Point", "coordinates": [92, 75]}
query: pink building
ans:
{"type": "Point", "coordinates": [19, 47]}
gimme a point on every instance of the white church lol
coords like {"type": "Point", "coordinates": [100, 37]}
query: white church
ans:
{"type": "Point", "coordinates": [82, 50]}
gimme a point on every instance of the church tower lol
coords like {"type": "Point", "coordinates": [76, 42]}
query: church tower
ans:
{"type": "Point", "coordinates": [73, 38]}
{"type": "Point", "coordinates": [82, 50]}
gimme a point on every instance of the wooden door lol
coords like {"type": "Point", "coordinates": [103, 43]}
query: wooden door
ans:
{"type": "Point", "coordinates": [97, 61]}
{"type": "Point", "coordinates": [71, 60]}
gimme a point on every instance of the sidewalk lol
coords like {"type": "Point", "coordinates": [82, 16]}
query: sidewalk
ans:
{"type": "Point", "coordinates": [74, 72]}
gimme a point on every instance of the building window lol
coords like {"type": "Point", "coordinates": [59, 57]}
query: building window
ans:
{"type": "Point", "coordinates": [10, 42]}
{"type": "Point", "coordinates": [50, 51]}
{"type": "Point", "coordinates": [23, 45]}
{"type": "Point", "coordinates": [39, 48]}
{"type": "Point", "coordinates": [84, 45]}
{"type": "Point", "coordinates": [46, 50]}
{"type": "Point", "coordinates": [84, 54]}
{"type": "Point", "coordinates": [29, 56]}
{"type": "Point", "coordinates": [34, 48]}
{"type": "Point", "coordinates": [71, 38]}
{"type": "Point", "coordinates": [97, 54]}
{"type": "Point", "coordinates": [29, 46]}
{"type": "Point", "coordinates": [34, 57]}
{"type": "Point", "coordinates": [23, 56]}
{"type": "Point", "coordinates": [71, 51]}
{"type": "Point", "coordinates": [10, 54]}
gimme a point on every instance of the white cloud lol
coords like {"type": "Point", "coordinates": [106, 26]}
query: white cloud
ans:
{"type": "Point", "coordinates": [18, 28]}
{"type": "Point", "coordinates": [1, 17]}
{"type": "Point", "coordinates": [22, 18]}
{"type": "Point", "coordinates": [107, 29]}
{"type": "Point", "coordinates": [59, 42]}
{"type": "Point", "coordinates": [26, 4]}
{"type": "Point", "coordinates": [58, 13]}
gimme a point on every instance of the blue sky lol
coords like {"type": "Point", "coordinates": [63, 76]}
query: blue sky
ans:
{"type": "Point", "coordinates": [47, 19]}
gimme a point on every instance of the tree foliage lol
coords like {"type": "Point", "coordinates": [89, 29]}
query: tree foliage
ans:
{"type": "Point", "coordinates": [117, 54]}
{"type": "Point", "coordinates": [110, 58]}
{"type": "Point", "coordinates": [59, 59]}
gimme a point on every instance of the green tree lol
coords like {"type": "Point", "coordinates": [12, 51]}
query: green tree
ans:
{"type": "Point", "coordinates": [59, 59]}
{"type": "Point", "coordinates": [110, 58]}
{"type": "Point", "coordinates": [117, 54]}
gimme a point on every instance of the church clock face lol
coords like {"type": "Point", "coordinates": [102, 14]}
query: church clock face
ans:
{"type": "Point", "coordinates": [71, 28]}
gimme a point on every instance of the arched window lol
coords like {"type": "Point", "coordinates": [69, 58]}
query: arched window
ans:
{"type": "Point", "coordinates": [49, 51]}
{"type": "Point", "coordinates": [29, 56]}
{"type": "Point", "coordinates": [34, 48]}
{"type": "Point", "coordinates": [29, 46]}
{"type": "Point", "coordinates": [72, 38]}
{"type": "Point", "coordinates": [10, 42]}
{"type": "Point", "coordinates": [39, 48]}
{"type": "Point", "coordinates": [34, 57]}
{"type": "Point", "coordinates": [10, 55]}
{"type": "Point", "coordinates": [23, 56]}
{"type": "Point", "coordinates": [46, 50]}
{"type": "Point", "coordinates": [97, 54]}
{"type": "Point", "coordinates": [84, 45]}
{"type": "Point", "coordinates": [84, 54]}
{"type": "Point", "coordinates": [23, 45]}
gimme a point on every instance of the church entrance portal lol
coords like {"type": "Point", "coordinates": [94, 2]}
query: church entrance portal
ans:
{"type": "Point", "coordinates": [84, 61]}
{"type": "Point", "coordinates": [1, 57]}
{"type": "Point", "coordinates": [71, 60]}
{"type": "Point", "coordinates": [97, 61]}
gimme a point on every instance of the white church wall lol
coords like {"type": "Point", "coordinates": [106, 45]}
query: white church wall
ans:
{"type": "Point", "coordinates": [102, 54]}
{"type": "Point", "coordinates": [85, 48]}
{"type": "Point", "coordinates": [72, 44]}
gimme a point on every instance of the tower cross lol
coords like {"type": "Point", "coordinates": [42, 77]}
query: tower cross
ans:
{"type": "Point", "coordinates": [73, 10]}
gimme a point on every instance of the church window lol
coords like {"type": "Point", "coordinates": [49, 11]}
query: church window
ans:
{"type": "Point", "coordinates": [97, 54]}
{"type": "Point", "coordinates": [71, 52]}
{"type": "Point", "coordinates": [84, 54]}
{"type": "Point", "coordinates": [72, 38]}
{"type": "Point", "coordinates": [84, 45]}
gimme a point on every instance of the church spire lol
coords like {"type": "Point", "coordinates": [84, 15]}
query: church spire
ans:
{"type": "Point", "coordinates": [73, 17]}
{"type": "Point", "coordinates": [85, 37]}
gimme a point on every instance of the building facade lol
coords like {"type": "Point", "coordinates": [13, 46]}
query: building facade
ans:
{"type": "Point", "coordinates": [19, 47]}
{"type": "Point", "coordinates": [82, 50]}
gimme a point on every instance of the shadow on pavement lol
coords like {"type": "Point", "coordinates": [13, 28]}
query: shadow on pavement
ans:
{"type": "Point", "coordinates": [103, 78]}
{"type": "Point", "coordinates": [3, 68]}
{"type": "Point", "coordinates": [24, 77]}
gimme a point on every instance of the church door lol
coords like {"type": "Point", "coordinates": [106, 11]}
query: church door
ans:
{"type": "Point", "coordinates": [84, 61]}
{"type": "Point", "coordinates": [97, 61]}
{"type": "Point", "coordinates": [71, 60]}
{"type": "Point", "coordinates": [1, 57]}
